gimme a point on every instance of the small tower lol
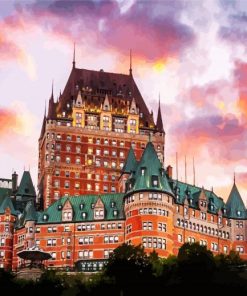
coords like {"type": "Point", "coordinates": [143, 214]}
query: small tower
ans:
{"type": "Point", "coordinates": [52, 106]}
{"type": "Point", "coordinates": [159, 122]}
{"type": "Point", "coordinates": [149, 205]}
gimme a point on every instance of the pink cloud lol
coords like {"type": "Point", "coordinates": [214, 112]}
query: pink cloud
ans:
{"type": "Point", "coordinates": [9, 121]}
{"type": "Point", "coordinates": [150, 33]}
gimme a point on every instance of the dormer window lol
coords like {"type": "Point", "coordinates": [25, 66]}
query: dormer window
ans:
{"type": "Point", "coordinates": [155, 181]}
{"type": "Point", "coordinates": [84, 215]}
{"type": "Point", "coordinates": [59, 207]}
{"type": "Point", "coordinates": [211, 207]}
{"type": "Point", "coordinates": [115, 212]}
{"type": "Point", "coordinates": [99, 214]}
{"type": "Point", "coordinates": [92, 206]}
{"type": "Point", "coordinates": [67, 216]}
{"type": "Point", "coordinates": [113, 204]}
{"type": "Point", "coordinates": [45, 217]}
{"type": "Point", "coordinates": [142, 171]}
{"type": "Point", "coordinates": [238, 213]}
{"type": "Point", "coordinates": [81, 206]}
{"type": "Point", "coordinates": [67, 213]}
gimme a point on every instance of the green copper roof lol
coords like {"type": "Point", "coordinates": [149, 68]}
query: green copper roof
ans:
{"type": "Point", "coordinates": [130, 163]}
{"type": "Point", "coordinates": [26, 187]}
{"type": "Point", "coordinates": [30, 213]}
{"type": "Point", "coordinates": [5, 192]}
{"type": "Point", "coordinates": [6, 202]}
{"type": "Point", "coordinates": [235, 205]}
{"type": "Point", "coordinates": [83, 208]}
{"type": "Point", "coordinates": [192, 193]}
{"type": "Point", "coordinates": [148, 173]}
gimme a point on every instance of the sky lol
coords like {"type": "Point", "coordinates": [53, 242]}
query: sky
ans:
{"type": "Point", "coordinates": [194, 53]}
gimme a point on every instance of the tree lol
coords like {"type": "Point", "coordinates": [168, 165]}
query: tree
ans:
{"type": "Point", "coordinates": [129, 266]}
{"type": "Point", "coordinates": [195, 263]}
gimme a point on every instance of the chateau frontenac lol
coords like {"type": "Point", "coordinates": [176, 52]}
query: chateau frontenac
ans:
{"type": "Point", "coordinates": [102, 182]}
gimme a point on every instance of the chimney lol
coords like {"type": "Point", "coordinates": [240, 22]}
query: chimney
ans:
{"type": "Point", "coordinates": [169, 171]}
{"type": "Point", "coordinates": [14, 182]}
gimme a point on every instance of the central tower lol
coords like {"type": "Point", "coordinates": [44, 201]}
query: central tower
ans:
{"type": "Point", "coordinates": [87, 133]}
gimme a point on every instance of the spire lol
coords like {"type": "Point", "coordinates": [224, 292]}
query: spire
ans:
{"type": "Point", "coordinates": [73, 63]}
{"type": "Point", "coordinates": [52, 96]}
{"type": "Point", "coordinates": [130, 163]}
{"type": "Point", "coordinates": [159, 123]}
{"type": "Point", "coordinates": [43, 124]}
{"type": "Point", "coordinates": [235, 205]}
{"type": "Point", "coordinates": [130, 69]}
{"type": "Point", "coordinates": [234, 178]}
{"type": "Point", "coordinates": [149, 174]}
{"type": "Point", "coordinates": [51, 107]}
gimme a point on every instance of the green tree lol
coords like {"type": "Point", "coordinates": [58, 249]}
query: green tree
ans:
{"type": "Point", "coordinates": [195, 263]}
{"type": "Point", "coordinates": [130, 267]}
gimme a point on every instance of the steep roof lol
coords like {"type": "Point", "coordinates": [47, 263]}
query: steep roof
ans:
{"type": "Point", "coordinates": [235, 205]}
{"type": "Point", "coordinates": [30, 213]}
{"type": "Point", "coordinates": [147, 172]}
{"type": "Point", "coordinates": [192, 193]}
{"type": "Point", "coordinates": [5, 192]}
{"type": "Point", "coordinates": [26, 187]}
{"type": "Point", "coordinates": [43, 128]}
{"type": "Point", "coordinates": [114, 82]}
{"type": "Point", "coordinates": [130, 162]}
{"type": "Point", "coordinates": [83, 204]}
{"type": "Point", "coordinates": [52, 109]}
{"type": "Point", "coordinates": [6, 202]}
{"type": "Point", "coordinates": [159, 123]}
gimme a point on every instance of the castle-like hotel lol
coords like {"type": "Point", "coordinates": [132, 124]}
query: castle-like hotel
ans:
{"type": "Point", "coordinates": [101, 182]}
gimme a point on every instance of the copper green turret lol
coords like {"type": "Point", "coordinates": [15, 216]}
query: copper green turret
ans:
{"type": "Point", "coordinates": [148, 174]}
{"type": "Point", "coordinates": [130, 163]}
{"type": "Point", "coordinates": [235, 205]}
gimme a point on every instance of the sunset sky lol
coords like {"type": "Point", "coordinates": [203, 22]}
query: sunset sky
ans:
{"type": "Point", "coordinates": [193, 52]}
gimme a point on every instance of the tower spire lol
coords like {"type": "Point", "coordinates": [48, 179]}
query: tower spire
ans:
{"type": "Point", "coordinates": [234, 178]}
{"type": "Point", "coordinates": [130, 69]}
{"type": "Point", "coordinates": [45, 109]}
{"type": "Point", "coordinates": [73, 63]}
{"type": "Point", "coordinates": [159, 122]}
{"type": "Point", "coordinates": [52, 85]}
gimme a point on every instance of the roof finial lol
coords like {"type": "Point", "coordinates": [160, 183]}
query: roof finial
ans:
{"type": "Point", "coordinates": [159, 122]}
{"type": "Point", "coordinates": [73, 63]}
{"type": "Point", "coordinates": [234, 178]}
{"type": "Point", "coordinates": [130, 69]}
{"type": "Point", "coordinates": [52, 85]}
{"type": "Point", "coordinates": [45, 109]}
{"type": "Point", "coordinates": [150, 137]}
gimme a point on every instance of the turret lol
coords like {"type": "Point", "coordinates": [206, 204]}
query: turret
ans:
{"type": "Point", "coordinates": [159, 122]}
{"type": "Point", "coordinates": [149, 205]}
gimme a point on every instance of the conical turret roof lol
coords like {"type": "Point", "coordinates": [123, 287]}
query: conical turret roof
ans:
{"type": "Point", "coordinates": [235, 205]}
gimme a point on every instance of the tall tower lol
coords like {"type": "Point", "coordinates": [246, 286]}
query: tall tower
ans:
{"type": "Point", "coordinates": [87, 134]}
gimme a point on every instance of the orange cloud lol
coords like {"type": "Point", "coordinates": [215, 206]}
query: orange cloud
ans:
{"type": "Point", "coordinates": [10, 122]}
